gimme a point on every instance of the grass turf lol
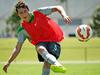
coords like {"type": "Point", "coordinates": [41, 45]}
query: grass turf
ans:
{"type": "Point", "coordinates": [72, 50]}
{"type": "Point", "coordinates": [72, 69]}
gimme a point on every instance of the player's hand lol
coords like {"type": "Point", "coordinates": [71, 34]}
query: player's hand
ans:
{"type": "Point", "coordinates": [5, 67]}
{"type": "Point", "coordinates": [67, 19]}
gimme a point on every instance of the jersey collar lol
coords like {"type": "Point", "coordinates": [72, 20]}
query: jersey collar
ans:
{"type": "Point", "coordinates": [32, 17]}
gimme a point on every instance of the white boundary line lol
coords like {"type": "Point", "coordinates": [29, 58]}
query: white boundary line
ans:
{"type": "Point", "coordinates": [63, 62]}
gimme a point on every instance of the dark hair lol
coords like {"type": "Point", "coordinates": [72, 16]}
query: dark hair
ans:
{"type": "Point", "coordinates": [21, 5]}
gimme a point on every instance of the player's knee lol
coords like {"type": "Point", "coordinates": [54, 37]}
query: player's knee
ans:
{"type": "Point", "coordinates": [40, 49]}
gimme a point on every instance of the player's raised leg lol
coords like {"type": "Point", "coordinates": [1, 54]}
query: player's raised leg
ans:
{"type": "Point", "coordinates": [55, 65]}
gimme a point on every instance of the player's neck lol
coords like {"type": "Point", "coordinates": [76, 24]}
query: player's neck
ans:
{"type": "Point", "coordinates": [27, 18]}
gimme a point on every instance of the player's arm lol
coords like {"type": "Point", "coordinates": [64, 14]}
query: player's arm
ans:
{"type": "Point", "coordinates": [14, 54]}
{"type": "Point", "coordinates": [50, 9]}
{"type": "Point", "coordinates": [62, 12]}
{"type": "Point", "coordinates": [15, 51]}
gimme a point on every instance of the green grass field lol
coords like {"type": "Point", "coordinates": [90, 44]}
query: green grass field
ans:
{"type": "Point", "coordinates": [72, 50]}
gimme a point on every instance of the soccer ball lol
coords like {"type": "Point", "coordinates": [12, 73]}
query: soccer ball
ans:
{"type": "Point", "coordinates": [83, 32]}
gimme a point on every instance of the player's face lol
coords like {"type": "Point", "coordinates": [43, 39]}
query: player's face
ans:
{"type": "Point", "coordinates": [23, 13]}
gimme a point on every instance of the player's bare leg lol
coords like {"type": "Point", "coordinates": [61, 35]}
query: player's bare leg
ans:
{"type": "Point", "coordinates": [46, 68]}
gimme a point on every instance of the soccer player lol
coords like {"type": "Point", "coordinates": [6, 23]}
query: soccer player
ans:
{"type": "Point", "coordinates": [42, 32]}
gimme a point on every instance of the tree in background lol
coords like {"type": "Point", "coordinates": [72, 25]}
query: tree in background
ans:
{"type": "Point", "coordinates": [63, 0]}
{"type": "Point", "coordinates": [12, 23]}
{"type": "Point", "coordinates": [95, 22]}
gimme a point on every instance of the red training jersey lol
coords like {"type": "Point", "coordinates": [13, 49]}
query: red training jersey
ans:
{"type": "Point", "coordinates": [43, 29]}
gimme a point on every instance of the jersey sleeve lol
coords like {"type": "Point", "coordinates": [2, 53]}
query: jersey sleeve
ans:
{"type": "Point", "coordinates": [45, 10]}
{"type": "Point", "coordinates": [21, 37]}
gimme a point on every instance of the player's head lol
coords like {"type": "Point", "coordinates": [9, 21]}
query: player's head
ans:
{"type": "Point", "coordinates": [22, 10]}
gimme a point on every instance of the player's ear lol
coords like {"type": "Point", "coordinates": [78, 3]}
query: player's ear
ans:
{"type": "Point", "coordinates": [16, 13]}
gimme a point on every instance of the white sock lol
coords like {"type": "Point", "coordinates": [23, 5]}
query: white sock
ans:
{"type": "Point", "coordinates": [50, 58]}
{"type": "Point", "coordinates": [57, 63]}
